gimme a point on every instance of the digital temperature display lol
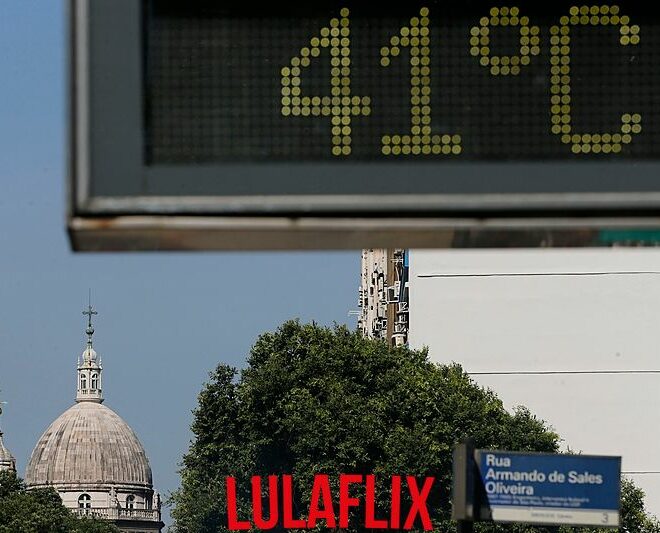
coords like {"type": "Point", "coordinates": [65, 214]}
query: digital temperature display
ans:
{"type": "Point", "coordinates": [415, 81]}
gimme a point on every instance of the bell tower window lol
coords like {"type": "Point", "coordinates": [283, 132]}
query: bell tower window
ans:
{"type": "Point", "coordinates": [95, 381]}
{"type": "Point", "coordinates": [83, 382]}
{"type": "Point", "coordinates": [130, 502]}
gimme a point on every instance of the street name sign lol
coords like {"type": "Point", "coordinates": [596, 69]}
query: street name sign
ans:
{"type": "Point", "coordinates": [220, 125]}
{"type": "Point", "coordinates": [556, 489]}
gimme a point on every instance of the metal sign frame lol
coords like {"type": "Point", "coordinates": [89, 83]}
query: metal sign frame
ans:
{"type": "Point", "coordinates": [118, 202]}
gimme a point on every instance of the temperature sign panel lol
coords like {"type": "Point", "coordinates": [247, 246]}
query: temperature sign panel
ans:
{"type": "Point", "coordinates": [445, 114]}
{"type": "Point", "coordinates": [424, 81]}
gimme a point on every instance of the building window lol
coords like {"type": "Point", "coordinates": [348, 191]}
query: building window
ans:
{"type": "Point", "coordinates": [85, 501]}
{"type": "Point", "coordinates": [95, 381]}
{"type": "Point", "coordinates": [130, 501]}
{"type": "Point", "coordinates": [83, 382]}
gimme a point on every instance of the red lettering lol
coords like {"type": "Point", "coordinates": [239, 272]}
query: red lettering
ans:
{"type": "Point", "coordinates": [419, 503]}
{"type": "Point", "coordinates": [345, 500]}
{"type": "Point", "coordinates": [321, 490]}
{"type": "Point", "coordinates": [232, 512]}
{"type": "Point", "coordinates": [287, 503]}
{"type": "Point", "coordinates": [370, 520]}
{"type": "Point", "coordinates": [257, 510]}
{"type": "Point", "coordinates": [395, 511]}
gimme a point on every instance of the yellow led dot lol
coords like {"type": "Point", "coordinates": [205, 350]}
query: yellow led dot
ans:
{"type": "Point", "coordinates": [624, 30]}
{"type": "Point", "coordinates": [514, 21]}
{"type": "Point", "coordinates": [424, 12]}
{"type": "Point", "coordinates": [626, 128]}
{"type": "Point", "coordinates": [484, 21]}
{"type": "Point", "coordinates": [437, 149]}
{"type": "Point", "coordinates": [606, 137]}
{"type": "Point", "coordinates": [505, 70]}
{"type": "Point", "coordinates": [634, 29]}
{"type": "Point", "coordinates": [607, 148]}
{"type": "Point", "coordinates": [636, 118]}
{"type": "Point", "coordinates": [565, 20]}
{"type": "Point", "coordinates": [636, 128]}
{"type": "Point", "coordinates": [594, 20]}
{"type": "Point", "coordinates": [394, 41]}
{"type": "Point", "coordinates": [456, 149]}
{"type": "Point", "coordinates": [614, 19]}
{"type": "Point", "coordinates": [494, 11]}
{"type": "Point", "coordinates": [625, 19]}
{"type": "Point", "coordinates": [616, 148]}
{"type": "Point", "coordinates": [416, 150]}
{"type": "Point", "coordinates": [446, 149]}
{"type": "Point", "coordinates": [387, 150]}
{"type": "Point", "coordinates": [385, 61]}
{"type": "Point", "coordinates": [305, 62]}
{"type": "Point", "coordinates": [626, 139]}
{"type": "Point", "coordinates": [596, 148]}
{"type": "Point", "coordinates": [474, 51]}
{"type": "Point", "coordinates": [344, 12]}
{"type": "Point", "coordinates": [515, 70]}
{"type": "Point", "coordinates": [504, 21]}
{"type": "Point", "coordinates": [405, 149]}
{"type": "Point", "coordinates": [495, 21]}
{"type": "Point", "coordinates": [514, 11]}
{"type": "Point", "coordinates": [634, 39]}
{"type": "Point", "coordinates": [484, 61]}
{"type": "Point", "coordinates": [286, 111]}
{"type": "Point", "coordinates": [575, 148]}
{"type": "Point", "coordinates": [504, 10]}
{"type": "Point", "coordinates": [556, 129]}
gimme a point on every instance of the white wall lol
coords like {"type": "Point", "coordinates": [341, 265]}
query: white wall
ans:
{"type": "Point", "coordinates": [554, 323]}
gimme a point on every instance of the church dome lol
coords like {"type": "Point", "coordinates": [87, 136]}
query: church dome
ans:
{"type": "Point", "coordinates": [89, 445]}
{"type": "Point", "coordinates": [7, 461]}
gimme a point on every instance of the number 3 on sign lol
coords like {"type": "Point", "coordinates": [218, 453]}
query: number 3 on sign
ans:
{"type": "Point", "coordinates": [341, 106]}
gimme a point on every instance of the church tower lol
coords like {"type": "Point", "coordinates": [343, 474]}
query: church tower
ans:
{"type": "Point", "coordinates": [93, 459]}
{"type": "Point", "coordinates": [89, 367]}
{"type": "Point", "coordinates": [7, 461]}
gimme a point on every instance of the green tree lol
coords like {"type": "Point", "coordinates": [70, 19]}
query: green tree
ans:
{"type": "Point", "coordinates": [326, 400]}
{"type": "Point", "coordinates": [40, 511]}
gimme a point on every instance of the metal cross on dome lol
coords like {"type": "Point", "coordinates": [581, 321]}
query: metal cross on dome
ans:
{"type": "Point", "coordinates": [89, 313]}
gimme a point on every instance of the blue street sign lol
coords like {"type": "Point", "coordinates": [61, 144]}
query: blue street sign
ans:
{"type": "Point", "coordinates": [549, 488]}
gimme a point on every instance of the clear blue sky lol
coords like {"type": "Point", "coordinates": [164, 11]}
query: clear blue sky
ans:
{"type": "Point", "coordinates": [165, 319]}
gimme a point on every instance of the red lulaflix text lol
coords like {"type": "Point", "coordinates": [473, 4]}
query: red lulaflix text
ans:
{"type": "Point", "coordinates": [322, 508]}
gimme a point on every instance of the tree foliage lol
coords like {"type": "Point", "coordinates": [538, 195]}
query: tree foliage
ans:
{"type": "Point", "coordinates": [40, 511]}
{"type": "Point", "coordinates": [326, 400]}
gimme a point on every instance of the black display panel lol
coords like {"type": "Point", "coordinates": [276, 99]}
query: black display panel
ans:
{"type": "Point", "coordinates": [414, 81]}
